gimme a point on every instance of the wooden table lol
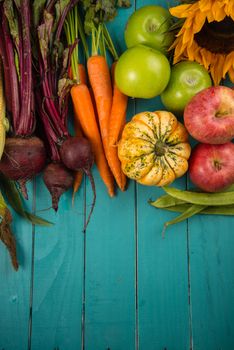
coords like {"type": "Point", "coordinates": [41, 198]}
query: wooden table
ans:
{"type": "Point", "coordinates": [120, 286]}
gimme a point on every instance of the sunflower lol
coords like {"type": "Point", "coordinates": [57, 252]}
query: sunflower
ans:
{"type": "Point", "coordinates": [207, 36]}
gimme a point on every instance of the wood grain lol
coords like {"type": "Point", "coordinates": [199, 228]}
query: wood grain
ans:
{"type": "Point", "coordinates": [15, 286]}
{"type": "Point", "coordinates": [58, 274]}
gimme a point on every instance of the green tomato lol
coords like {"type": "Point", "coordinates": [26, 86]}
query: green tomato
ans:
{"type": "Point", "coordinates": [149, 26]}
{"type": "Point", "coordinates": [142, 72]}
{"type": "Point", "coordinates": [187, 79]}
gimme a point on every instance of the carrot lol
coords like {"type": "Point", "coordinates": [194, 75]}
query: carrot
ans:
{"type": "Point", "coordinates": [118, 112]}
{"type": "Point", "coordinates": [84, 111]}
{"type": "Point", "coordinates": [77, 183]}
{"type": "Point", "coordinates": [78, 132]}
{"type": "Point", "coordinates": [82, 73]}
{"type": "Point", "coordinates": [100, 81]}
{"type": "Point", "coordinates": [116, 124]}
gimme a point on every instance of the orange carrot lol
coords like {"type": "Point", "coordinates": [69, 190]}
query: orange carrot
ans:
{"type": "Point", "coordinates": [116, 124]}
{"type": "Point", "coordinates": [118, 112]}
{"type": "Point", "coordinates": [78, 132]}
{"type": "Point", "coordinates": [100, 81]}
{"type": "Point", "coordinates": [84, 111]}
{"type": "Point", "coordinates": [82, 73]}
{"type": "Point", "coordinates": [77, 183]}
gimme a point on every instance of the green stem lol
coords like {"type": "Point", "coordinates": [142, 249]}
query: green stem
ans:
{"type": "Point", "coordinates": [102, 41]}
{"type": "Point", "coordinates": [192, 210]}
{"type": "Point", "coordinates": [71, 31]}
{"type": "Point", "coordinates": [80, 27]}
{"type": "Point", "coordinates": [109, 43]}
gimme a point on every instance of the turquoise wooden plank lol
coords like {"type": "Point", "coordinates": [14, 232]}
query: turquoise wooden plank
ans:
{"type": "Point", "coordinates": [109, 273]}
{"type": "Point", "coordinates": [163, 293]}
{"type": "Point", "coordinates": [15, 286]}
{"type": "Point", "coordinates": [212, 282]}
{"type": "Point", "coordinates": [163, 309]}
{"type": "Point", "coordinates": [58, 274]}
{"type": "Point", "coordinates": [110, 257]}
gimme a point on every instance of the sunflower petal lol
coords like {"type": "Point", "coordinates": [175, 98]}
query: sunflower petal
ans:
{"type": "Point", "coordinates": [188, 36]}
{"type": "Point", "coordinates": [218, 11]}
{"type": "Point", "coordinates": [198, 22]}
{"type": "Point", "coordinates": [180, 11]}
{"type": "Point", "coordinates": [205, 5]}
{"type": "Point", "coordinates": [229, 61]}
{"type": "Point", "coordinates": [231, 74]}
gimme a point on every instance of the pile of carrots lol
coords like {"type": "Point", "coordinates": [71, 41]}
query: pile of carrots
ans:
{"type": "Point", "coordinates": [100, 115]}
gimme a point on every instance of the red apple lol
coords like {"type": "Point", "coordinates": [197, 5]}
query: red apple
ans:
{"type": "Point", "coordinates": [211, 167]}
{"type": "Point", "coordinates": [209, 116]}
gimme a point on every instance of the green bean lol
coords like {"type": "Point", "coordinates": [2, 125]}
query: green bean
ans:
{"type": "Point", "coordinates": [214, 210]}
{"type": "Point", "coordinates": [202, 198]}
{"type": "Point", "coordinates": [192, 210]}
{"type": "Point", "coordinates": [166, 201]}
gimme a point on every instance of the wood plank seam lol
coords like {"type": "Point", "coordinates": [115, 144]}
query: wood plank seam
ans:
{"type": "Point", "coordinates": [30, 319]}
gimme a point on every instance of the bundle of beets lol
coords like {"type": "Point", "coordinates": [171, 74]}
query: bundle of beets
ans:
{"type": "Point", "coordinates": [37, 85]}
{"type": "Point", "coordinates": [24, 154]}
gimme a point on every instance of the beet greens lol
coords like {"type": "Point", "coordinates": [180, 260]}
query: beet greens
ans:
{"type": "Point", "coordinates": [24, 155]}
{"type": "Point", "coordinates": [52, 64]}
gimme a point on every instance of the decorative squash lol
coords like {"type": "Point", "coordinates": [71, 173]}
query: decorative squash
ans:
{"type": "Point", "coordinates": [154, 148]}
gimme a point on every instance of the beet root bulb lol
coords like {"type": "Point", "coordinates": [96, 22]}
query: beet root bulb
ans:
{"type": "Point", "coordinates": [76, 154]}
{"type": "Point", "coordinates": [58, 179]}
{"type": "Point", "coordinates": [23, 158]}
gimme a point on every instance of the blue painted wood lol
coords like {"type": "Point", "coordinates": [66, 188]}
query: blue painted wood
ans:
{"type": "Point", "coordinates": [15, 286]}
{"type": "Point", "coordinates": [212, 281]}
{"type": "Point", "coordinates": [120, 286]}
{"type": "Point", "coordinates": [58, 274]}
{"type": "Point", "coordinates": [164, 320]}
{"type": "Point", "coordinates": [110, 257]}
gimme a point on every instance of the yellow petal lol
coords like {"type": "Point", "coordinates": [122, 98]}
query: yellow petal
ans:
{"type": "Point", "coordinates": [229, 61]}
{"type": "Point", "coordinates": [231, 74]}
{"type": "Point", "coordinates": [180, 11]}
{"type": "Point", "coordinates": [191, 51]}
{"type": "Point", "coordinates": [205, 5]}
{"type": "Point", "coordinates": [218, 12]}
{"type": "Point", "coordinates": [206, 57]}
{"type": "Point", "coordinates": [188, 36]}
{"type": "Point", "coordinates": [219, 66]}
{"type": "Point", "coordinates": [229, 9]}
{"type": "Point", "coordinates": [198, 22]}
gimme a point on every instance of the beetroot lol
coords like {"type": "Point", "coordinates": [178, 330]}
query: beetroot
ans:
{"type": "Point", "coordinates": [22, 159]}
{"type": "Point", "coordinates": [58, 179]}
{"type": "Point", "coordinates": [52, 94]}
{"type": "Point", "coordinates": [76, 154]}
{"type": "Point", "coordinates": [24, 155]}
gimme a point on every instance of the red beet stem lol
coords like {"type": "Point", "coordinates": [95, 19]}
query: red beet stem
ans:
{"type": "Point", "coordinates": [91, 179]}
{"type": "Point", "coordinates": [26, 114]}
{"type": "Point", "coordinates": [13, 78]}
{"type": "Point", "coordinates": [6, 70]}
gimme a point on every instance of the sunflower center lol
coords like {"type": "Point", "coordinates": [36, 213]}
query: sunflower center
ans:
{"type": "Point", "coordinates": [217, 37]}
